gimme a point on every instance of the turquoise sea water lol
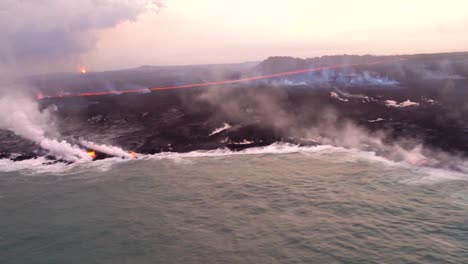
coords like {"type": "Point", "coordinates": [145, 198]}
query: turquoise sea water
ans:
{"type": "Point", "coordinates": [300, 206]}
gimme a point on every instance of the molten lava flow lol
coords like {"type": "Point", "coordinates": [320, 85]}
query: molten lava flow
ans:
{"type": "Point", "coordinates": [83, 70]}
{"type": "Point", "coordinates": [92, 154]}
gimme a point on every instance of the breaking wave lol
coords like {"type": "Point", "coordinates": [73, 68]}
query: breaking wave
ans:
{"type": "Point", "coordinates": [338, 155]}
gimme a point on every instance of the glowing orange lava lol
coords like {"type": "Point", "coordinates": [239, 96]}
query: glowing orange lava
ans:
{"type": "Point", "coordinates": [92, 154]}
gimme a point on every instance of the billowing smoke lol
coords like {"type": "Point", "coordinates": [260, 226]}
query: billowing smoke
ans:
{"type": "Point", "coordinates": [47, 32]}
{"type": "Point", "coordinates": [269, 108]}
{"type": "Point", "coordinates": [344, 133]}
{"type": "Point", "coordinates": [429, 70]}
{"type": "Point", "coordinates": [24, 119]}
{"type": "Point", "coordinates": [251, 104]}
{"type": "Point", "coordinates": [442, 70]}
{"type": "Point", "coordinates": [334, 131]}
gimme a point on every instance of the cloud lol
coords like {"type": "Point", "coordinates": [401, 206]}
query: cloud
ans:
{"type": "Point", "coordinates": [41, 31]}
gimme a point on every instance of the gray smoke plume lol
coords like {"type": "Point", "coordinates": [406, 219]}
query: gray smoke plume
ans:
{"type": "Point", "coordinates": [44, 32]}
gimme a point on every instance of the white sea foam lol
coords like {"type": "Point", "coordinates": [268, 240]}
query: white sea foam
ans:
{"type": "Point", "coordinates": [417, 172]}
{"type": "Point", "coordinates": [428, 175]}
{"type": "Point", "coordinates": [36, 165]}
{"type": "Point", "coordinates": [412, 158]}
{"type": "Point", "coordinates": [42, 166]}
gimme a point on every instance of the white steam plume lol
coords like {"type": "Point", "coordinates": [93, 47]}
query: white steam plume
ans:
{"type": "Point", "coordinates": [328, 129]}
{"type": "Point", "coordinates": [47, 35]}
{"type": "Point", "coordinates": [22, 116]}
{"type": "Point", "coordinates": [111, 150]}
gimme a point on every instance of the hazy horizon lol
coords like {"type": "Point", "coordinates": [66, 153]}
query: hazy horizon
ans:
{"type": "Point", "coordinates": [91, 70]}
{"type": "Point", "coordinates": [217, 32]}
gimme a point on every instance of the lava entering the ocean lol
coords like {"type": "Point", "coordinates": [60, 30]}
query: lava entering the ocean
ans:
{"type": "Point", "coordinates": [92, 154]}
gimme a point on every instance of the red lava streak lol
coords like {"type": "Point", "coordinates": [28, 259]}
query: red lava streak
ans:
{"type": "Point", "coordinates": [205, 84]}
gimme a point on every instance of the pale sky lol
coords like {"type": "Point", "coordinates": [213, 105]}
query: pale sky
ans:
{"type": "Point", "coordinates": [222, 31]}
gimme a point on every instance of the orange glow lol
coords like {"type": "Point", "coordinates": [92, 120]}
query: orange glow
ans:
{"type": "Point", "coordinates": [83, 70]}
{"type": "Point", "coordinates": [92, 154]}
{"type": "Point", "coordinates": [39, 95]}
{"type": "Point", "coordinates": [133, 154]}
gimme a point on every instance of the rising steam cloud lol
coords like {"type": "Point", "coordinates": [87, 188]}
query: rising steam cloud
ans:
{"type": "Point", "coordinates": [40, 35]}
{"type": "Point", "coordinates": [325, 126]}
{"type": "Point", "coordinates": [111, 150]}
{"type": "Point", "coordinates": [25, 120]}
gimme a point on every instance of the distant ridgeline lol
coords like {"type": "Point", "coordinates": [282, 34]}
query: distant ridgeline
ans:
{"type": "Point", "coordinates": [389, 71]}
{"type": "Point", "coordinates": [277, 64]}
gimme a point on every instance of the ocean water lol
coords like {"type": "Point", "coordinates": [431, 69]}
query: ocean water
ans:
{"type": "Point", "coordinates": [279, 204]}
